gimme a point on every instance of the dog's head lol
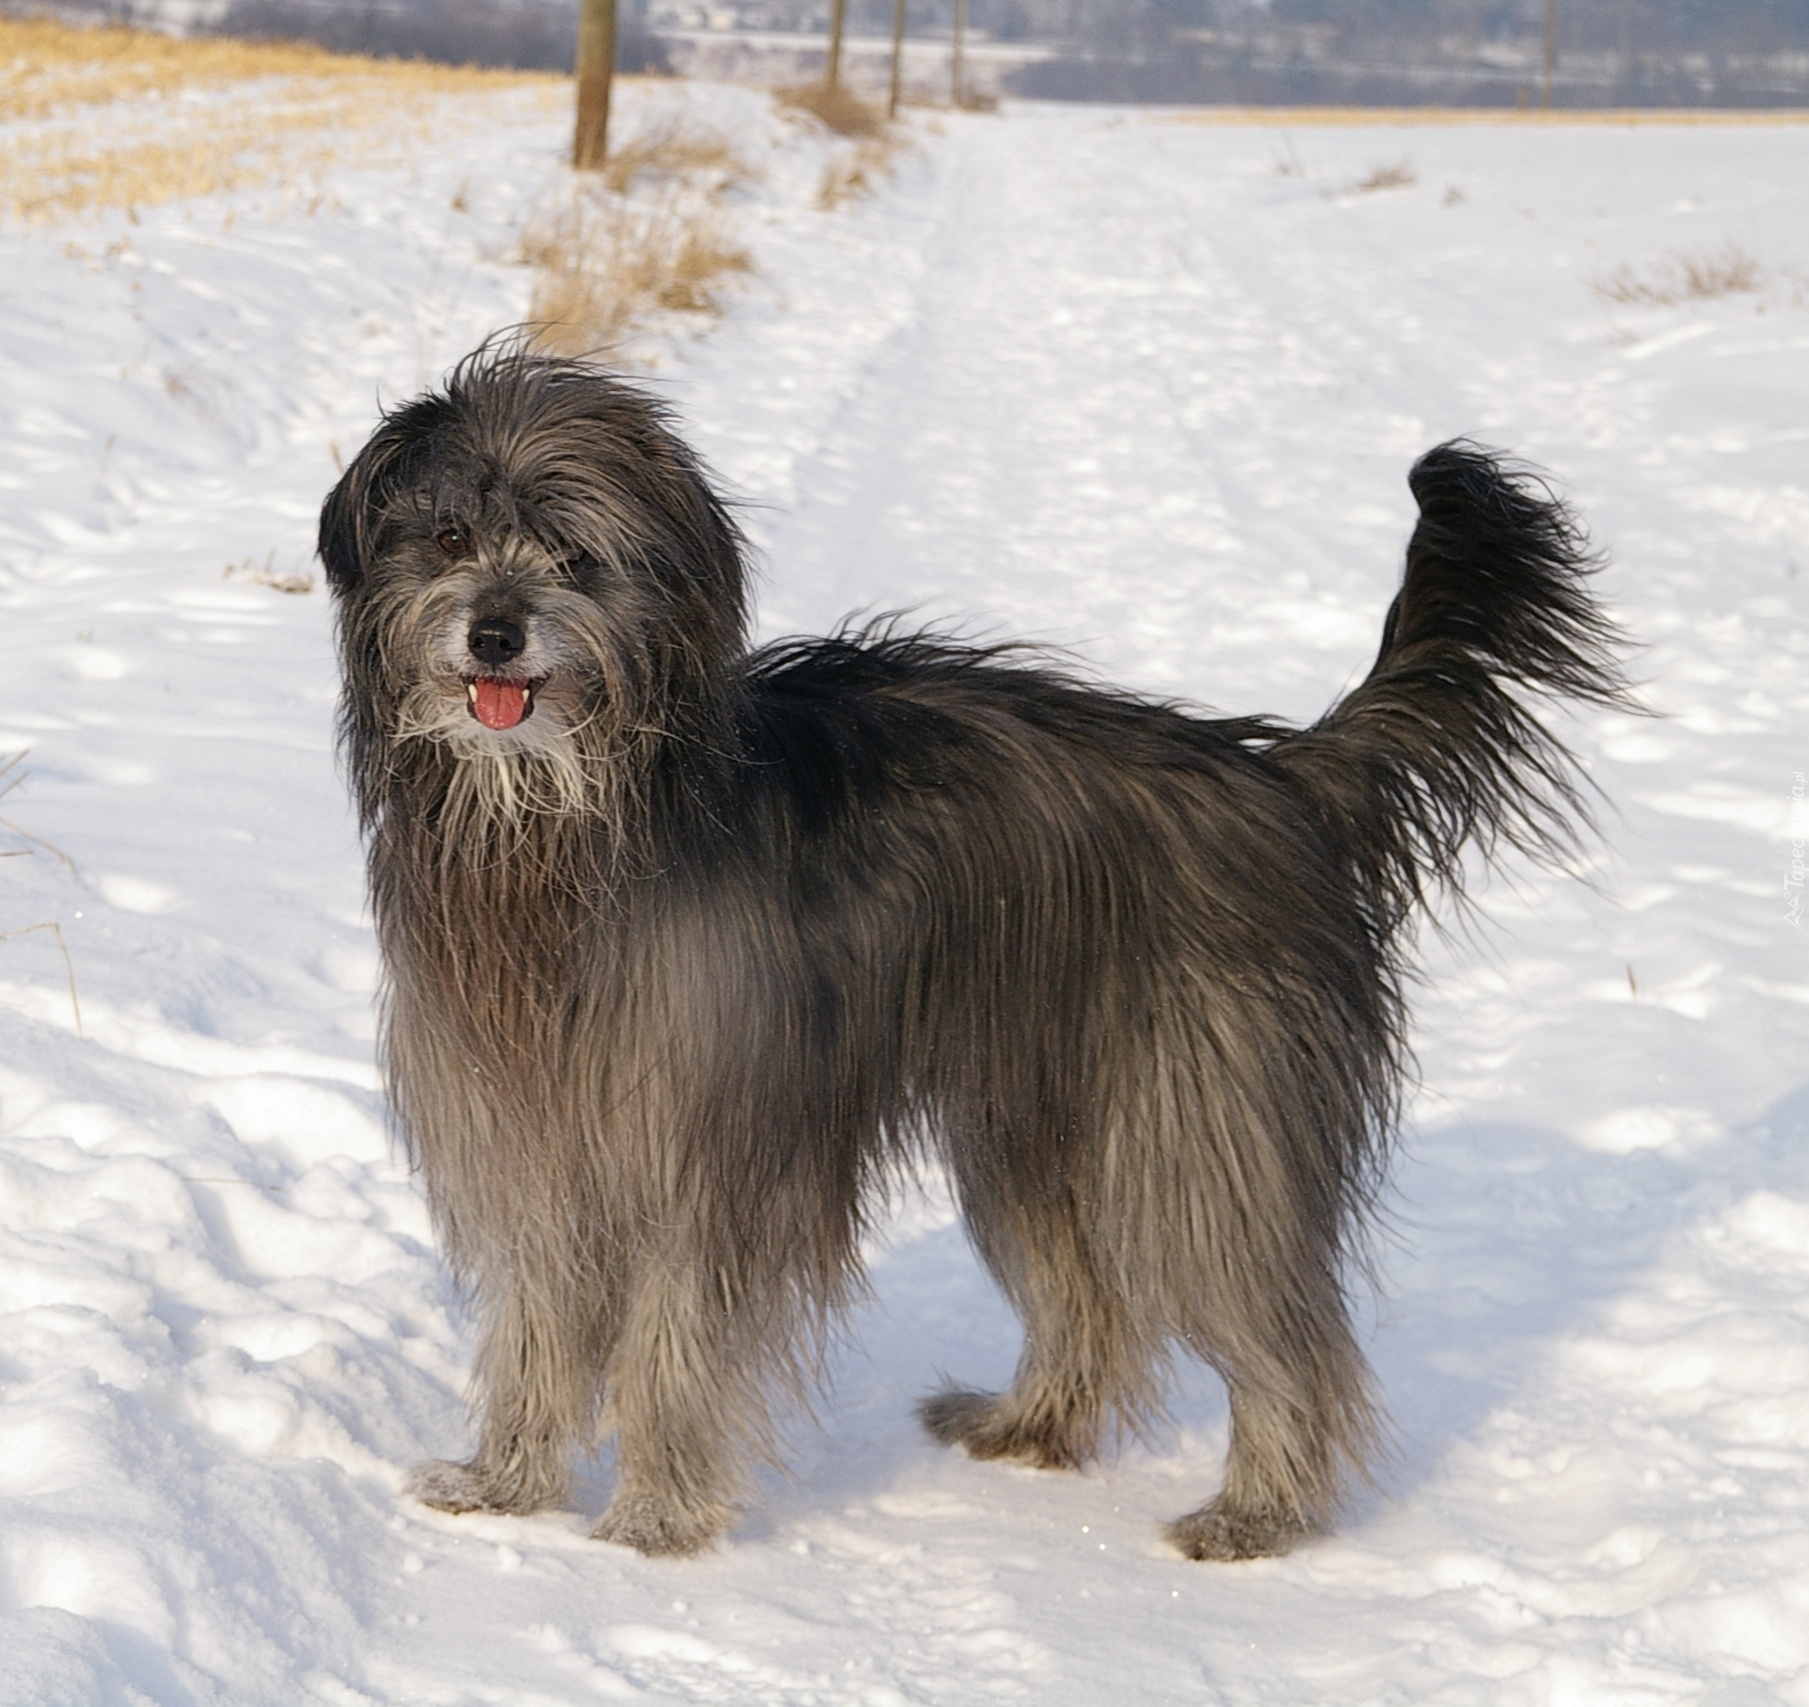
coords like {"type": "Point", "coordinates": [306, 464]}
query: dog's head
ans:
{"type": "Point", "coordinates": [529, 563]}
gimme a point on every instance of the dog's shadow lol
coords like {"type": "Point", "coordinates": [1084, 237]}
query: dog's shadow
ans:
{"type": "Point", "coordinates": [1501, 1241]}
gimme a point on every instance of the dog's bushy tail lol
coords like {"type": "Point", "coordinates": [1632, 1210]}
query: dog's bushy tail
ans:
{"type": "Point", "coordinates": [1441, 747]}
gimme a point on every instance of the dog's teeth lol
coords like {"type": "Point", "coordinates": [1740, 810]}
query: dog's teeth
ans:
{"type": "Point", "coordinates": [471, 692]}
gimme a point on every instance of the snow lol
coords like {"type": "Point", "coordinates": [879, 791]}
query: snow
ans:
{"type": "Point", "coordinates": [1143, 387]}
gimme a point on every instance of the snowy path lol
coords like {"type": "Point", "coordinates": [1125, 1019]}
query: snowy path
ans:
{"type": "Point", "coordinates": [1117, 384]}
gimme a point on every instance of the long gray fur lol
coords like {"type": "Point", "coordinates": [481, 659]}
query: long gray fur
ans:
{"type": "Point", "coordinates": [685, 964]}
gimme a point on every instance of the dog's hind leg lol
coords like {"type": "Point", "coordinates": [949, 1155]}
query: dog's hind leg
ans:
{"type": "Point", "coordinates": [1085, 1360]}
{"type": "Point", "coordinates": [1301, 1422]}
{"type": "Point", "coordinates": [536, 1380]}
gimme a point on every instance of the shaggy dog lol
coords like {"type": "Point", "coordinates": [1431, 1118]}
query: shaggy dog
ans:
{"type": "Point", "coordinates": [690, 948]}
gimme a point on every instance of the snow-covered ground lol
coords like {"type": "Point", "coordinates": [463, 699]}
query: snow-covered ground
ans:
{"type": "Point", "coordinates": [1144, 388]}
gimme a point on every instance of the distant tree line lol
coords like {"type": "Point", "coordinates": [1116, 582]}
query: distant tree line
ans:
{"type": "Point", "coordinates": [527, 35]}
{"type": "Point", "coordinates": [1359, 52]}
{"type": "Point", "coordinates": [1742, 26]}
{"type": "Point", "coordinates": [1455, 52]}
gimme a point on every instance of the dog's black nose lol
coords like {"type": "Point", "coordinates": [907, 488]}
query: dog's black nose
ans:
{"type": "Point", "coordinates": [495, 641]}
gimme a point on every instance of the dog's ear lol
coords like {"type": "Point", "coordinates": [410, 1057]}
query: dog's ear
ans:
{"type": "Point", "coordinates": [345, 522]}
{"type": "Point", "coordinates": [349, 517]}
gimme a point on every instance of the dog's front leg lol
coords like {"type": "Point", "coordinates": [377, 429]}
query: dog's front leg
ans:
{"type": "Point", "coordinates": [536, 1381]}
{"type": "Point", "coordinates": [681, 1418]}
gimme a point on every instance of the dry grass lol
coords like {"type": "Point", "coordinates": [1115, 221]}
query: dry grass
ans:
{"type": "Point", "coordinates": [112, 118]}
{"type": "Point", "coordinates": [605, 264]}
{"type": "Point", "coordinates": [46, 66]}
{"type": "Point", "coordinates": [874, 142]}
{"type": "Point", "coordinates": [10, 778]}
{"type": "Point", "coordinates": [1683, 277]}
{"type": "Point", "coordinates": [839, 109]}
{"type": "Point", "coordinates": [648, 235]}
{"type": "Point", "coordinates": [1397, 176]}
{"type": "Point", "coordinates": [854, 173]}
{"type": "Point", "coordinates": [266, 574]}
{"type": "Point", "coordinates": [673, 147]}
{"type": "Point", "coordinates": [48, 178]}
{"type": "Point", "coordinates": [56, 930]}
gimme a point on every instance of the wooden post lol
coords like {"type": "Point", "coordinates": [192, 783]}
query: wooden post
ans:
{"type": "Point", "coordinates": [596, 66]}
{"type": "Point", "coordinates": [960, 92]}
{"type": "Point", "coordinates": [1551, 51]}
{"type": "Point", "coordinates": [898, 29]}
{"type": "Point", "coordinates": [838, 10]}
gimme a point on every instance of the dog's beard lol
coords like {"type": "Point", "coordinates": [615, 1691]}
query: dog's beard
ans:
{"type": "Point", "coordinates": [500, 781]}
{"type": "Point", "coordinates": [528, 742]}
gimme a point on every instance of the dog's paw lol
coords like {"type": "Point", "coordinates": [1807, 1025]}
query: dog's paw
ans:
{"type": "Point", "coordinates": [982, 1425]}
{"type": "Point", "coordinates": [955, 1415]}
{"type": "Point", "coordinates": [660, 1531]}
{"type": "Point", "coordinates": [447, 1486]}
{"type": "Point", "coordinates": [1218, 1532]}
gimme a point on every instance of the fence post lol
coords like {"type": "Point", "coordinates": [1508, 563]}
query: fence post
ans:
{"type": "Point", "coordinates": [898, 30]}
{"type": "Point", "coordinates": [837, 12]}
{"type": "Point", "coordinates": [596, 66]}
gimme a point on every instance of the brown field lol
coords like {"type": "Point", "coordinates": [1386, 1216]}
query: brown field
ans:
{"type": "Point", "coordinates": [119, 118]}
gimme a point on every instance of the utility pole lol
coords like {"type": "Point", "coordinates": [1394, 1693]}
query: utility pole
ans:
{"type": "Point", "coordinates": [898, 28]}
{"type": "Point", "coordinates": [960, 31]}
{"type": "Point", "coordinates": [1551, 51]}
{"type": "Point", "coordinates": [838, 10]}
{"type": "Point", "coordinates": [596, 66]}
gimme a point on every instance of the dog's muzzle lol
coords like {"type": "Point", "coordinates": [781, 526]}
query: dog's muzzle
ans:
{"type": "Point", "coordinates": [498, 701]}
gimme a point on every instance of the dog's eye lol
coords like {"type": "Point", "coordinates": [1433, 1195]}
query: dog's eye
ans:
{"type": "Point", "coordinates": [454, 541]}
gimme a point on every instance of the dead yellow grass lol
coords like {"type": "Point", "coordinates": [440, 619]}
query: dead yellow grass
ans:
{"type": "Point", "coordinates": [605, 264]}
{"type": "Point", "coordinates": [1683, 277]}
{"type": "Point", "coordinates": [45, 66]}
{"type": "Point", "coordinates": [1394, 177]}
{"type": "Point", "coordinates": [48, 177]}
{"type": "Point", "coordinates": [840, 109]}
{"type": "Point", "coordinates": [266, 574]}
{"type": "Point", "coordinates": [110, 118]}
{"type": "Point", "coordinates": [874, 141]}
{"type": "Point", "coordinates": [672, 147]}
{"type": "Point", "coordinates": [648, 235]}
{"type": "Point", "coordinates": [854, 172]}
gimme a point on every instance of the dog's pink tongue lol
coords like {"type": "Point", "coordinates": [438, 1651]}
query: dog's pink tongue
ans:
{"type": "Point", "coordinates": [499, 705]}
